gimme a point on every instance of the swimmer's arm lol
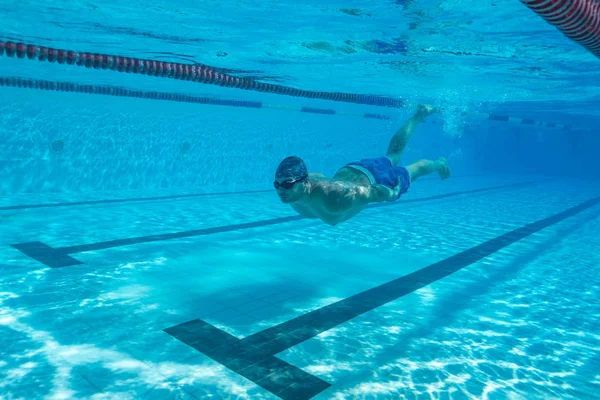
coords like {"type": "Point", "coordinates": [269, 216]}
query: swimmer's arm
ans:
{"type": "Point", "coordinates": [383, 193]}
{"type": "Point", "coordinates": [339, 197]}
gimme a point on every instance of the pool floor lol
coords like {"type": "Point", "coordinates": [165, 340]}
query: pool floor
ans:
{"type": "Point", "coordinates": [191, 314]}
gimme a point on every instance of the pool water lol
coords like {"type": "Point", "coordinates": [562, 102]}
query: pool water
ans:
{"type": "Point", "coordinates": [520, 323]}
{"type": "Point", "coordinates": [144, 253]}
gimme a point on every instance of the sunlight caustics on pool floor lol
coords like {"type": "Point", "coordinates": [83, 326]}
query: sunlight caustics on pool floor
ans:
{"type": "Point", "coordinates": [419, 298]}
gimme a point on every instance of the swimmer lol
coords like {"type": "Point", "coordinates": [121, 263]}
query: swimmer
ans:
{"type": "Point", "coordinates": [335, 200]}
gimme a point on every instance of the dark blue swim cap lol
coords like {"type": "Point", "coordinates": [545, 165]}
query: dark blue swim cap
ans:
{"type": "Point", "coordinates": [291, 167]}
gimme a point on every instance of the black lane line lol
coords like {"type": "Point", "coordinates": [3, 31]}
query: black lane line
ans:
{"type": "Point", "coordinates": [58, 257]}
{"type": "Point", "coordinates": [108, 201]}
{"type": "Point", "coordinates": [254, 356]}
{"type": "Point", "coordinates": [175, 196]}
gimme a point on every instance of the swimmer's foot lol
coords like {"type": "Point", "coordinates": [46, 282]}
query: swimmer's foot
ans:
{"type": "Point", "coordinates": [425, 110]}
{"type": "Point", "coordinates": [443, 168]}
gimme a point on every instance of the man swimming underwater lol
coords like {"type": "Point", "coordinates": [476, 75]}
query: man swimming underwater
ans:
{"type": "Point", "coordinates": [357, 184]}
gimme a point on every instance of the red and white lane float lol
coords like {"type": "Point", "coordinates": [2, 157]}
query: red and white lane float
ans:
{"type": "Point", "coordinates": [579, 20]}
{"type": "Point", "coordinates": [187, 72]}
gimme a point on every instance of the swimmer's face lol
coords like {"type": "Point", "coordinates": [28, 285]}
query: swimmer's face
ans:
{"type": "Point", "coordinates": [289, 190]}
{"type": "Point", "coordinates": [290, 179]}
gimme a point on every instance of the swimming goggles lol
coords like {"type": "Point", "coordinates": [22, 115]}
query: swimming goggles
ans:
{"type": "Point", "coordinates": [288, 184]}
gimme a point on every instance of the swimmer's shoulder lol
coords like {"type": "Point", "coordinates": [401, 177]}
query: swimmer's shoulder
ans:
{"type": "Point", "coordinates": [316, 176]}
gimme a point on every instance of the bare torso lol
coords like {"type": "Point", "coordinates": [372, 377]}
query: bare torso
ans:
{"type": "Point", "coordinates": [314, 208]}
{"type": "Point", "coordinates": [338, 199]}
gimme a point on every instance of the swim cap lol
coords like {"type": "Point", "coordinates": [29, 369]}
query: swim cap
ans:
{"type": "Point", "coordinates": [291, 167]}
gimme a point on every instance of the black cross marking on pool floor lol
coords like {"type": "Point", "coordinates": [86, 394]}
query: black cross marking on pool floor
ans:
{"type": "Point", "coordinates": [58, 257]}
{"type": "Point", "coordinates": [254, 356]}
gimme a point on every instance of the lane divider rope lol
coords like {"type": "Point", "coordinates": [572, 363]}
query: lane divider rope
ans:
{"type": "Point", "coordinates": [579, 20]}
{"type": "Point", "coordinates": [184, 98]}
{"type": "Point", "coordinates": [196, 73]}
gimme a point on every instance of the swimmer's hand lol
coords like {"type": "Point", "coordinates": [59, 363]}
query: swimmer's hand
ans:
{"type": "Point", "coordinates": [396, 190]}
{"type": "Point", "coordinates": [384, 193]}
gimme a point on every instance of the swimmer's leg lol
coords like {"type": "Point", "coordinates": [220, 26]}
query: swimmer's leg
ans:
{"type": "Point", "coordinates": [425, 167]}
{"type": "Point", "coordinates": [401, 138]}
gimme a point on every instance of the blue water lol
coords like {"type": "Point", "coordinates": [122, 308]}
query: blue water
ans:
{"type": "Point", "coordinates": [145, 255]}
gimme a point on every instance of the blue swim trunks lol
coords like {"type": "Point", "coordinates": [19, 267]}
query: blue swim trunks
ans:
{"type": "Point", "coordinates": [380, 170]}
